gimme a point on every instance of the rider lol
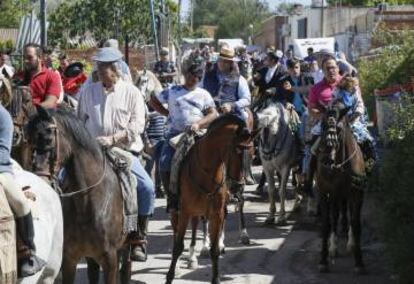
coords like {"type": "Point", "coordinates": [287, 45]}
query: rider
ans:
{"type": "Point", "coordinates": [113, 111]}
{"type": "Point", "coordinates": [229, 89]}
{"type": "Point", "coordinates": [165, 69]}
{"type": "Point", "coordinates": [189, 107]}
{"type": "Point", "coordinates": [45, 84]}
{"type": "Point", "coordinates": [29, 263]}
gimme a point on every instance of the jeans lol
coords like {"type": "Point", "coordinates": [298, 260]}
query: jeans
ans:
{"type": "Point", "coordinates": [166, 155]}
{"type": "Point", "coordinates": [145, 189]}
{"type": "Point", "coordinates": [154, 161]}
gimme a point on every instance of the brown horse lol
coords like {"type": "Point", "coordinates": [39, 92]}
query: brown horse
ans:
{"type": "Point", "coordinates": [91, 196]}
{"type": "Point", "coordinates": [203, 188]}
{"type": "Point", "coordinates": [340, 176]}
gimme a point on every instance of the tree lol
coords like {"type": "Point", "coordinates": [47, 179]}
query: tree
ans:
{"type": "Point", "coordinates": [233, 17]}
{"type": "Point", "coordinates": [371, 2]}
{"type": "Point", "coordinates": [12, 11]}
{"type": "Point", "coordinates": [101, 18]}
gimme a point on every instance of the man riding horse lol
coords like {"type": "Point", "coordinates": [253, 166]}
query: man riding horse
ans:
{"type": "Point", "coordinates": [230, 91]}
{"type": "Point", "coordinates": [189, 108]}
{"type": "Point", "coordinates": [29, 263]}
{"type": "Point", "coordinates": [320, 96]}
{"type": "Point", "coordinates": [113, 111]}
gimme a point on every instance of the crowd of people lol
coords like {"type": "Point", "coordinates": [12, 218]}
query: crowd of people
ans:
{"type": "Point", "coordinates": [116, 113]}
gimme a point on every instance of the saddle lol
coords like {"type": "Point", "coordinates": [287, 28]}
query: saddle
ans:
{"type": "Point", "coordinates": [121, 162]}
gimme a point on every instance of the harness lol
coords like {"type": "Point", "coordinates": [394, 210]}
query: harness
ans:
{"type": "Point", "coordinates": [54, 168]}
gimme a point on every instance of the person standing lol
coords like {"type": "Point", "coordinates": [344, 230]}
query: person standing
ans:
{"type": "Point", "coordinates": [165, 69]}
{"type": "Point", "coordinates": [113, 111]}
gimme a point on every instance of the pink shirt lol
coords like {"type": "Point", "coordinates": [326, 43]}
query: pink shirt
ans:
{"type": "Point", "coordinates": [321, 93]}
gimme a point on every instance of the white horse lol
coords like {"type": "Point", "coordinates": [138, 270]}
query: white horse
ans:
{"type": "Point", "coordinates": [279, 153]}
{"type": "Point", "coordinates": [147, 83]}
{"type": "Point", "coordinates": [48, 225]}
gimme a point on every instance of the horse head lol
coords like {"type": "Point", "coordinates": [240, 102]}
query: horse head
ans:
{"type": "Point", "coordinates": [332, 124]}
{"type": "Point", "coordinates": [270, 117]}
{"type": "Point", "coordinates": [147, 83]}
{"type": "Point", "coordinates": [50, 143]}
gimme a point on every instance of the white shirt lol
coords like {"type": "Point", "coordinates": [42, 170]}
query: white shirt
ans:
{"type": "Point", "coordinates": [185, 107]}
{"type": "Point", "coordinates": [270, 72]}
{"type": "Point", "coordinates": [107, 113]}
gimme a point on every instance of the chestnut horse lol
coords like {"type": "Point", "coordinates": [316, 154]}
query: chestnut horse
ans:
{"type": "Point", "coordinates": [340, 178]}
{"type": "Point", "coordinates": [91, 195]}
{"type": "Point", "coordinates": [203, 187]}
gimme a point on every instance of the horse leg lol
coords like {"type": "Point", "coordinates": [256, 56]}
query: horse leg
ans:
{"type": "Point", "coordinates": [333, 247]}
{"type": "Point", "coordinates": [126, 265]}
{"type": "Point", "coordinates": [344, 218]}
{"type": "Point", "coordinates": [222, 247]}
{"type": "Point", "coordinates": [216, 225]}
{"type": "Point", "coordinates": [356, 205]}
{"type": "Point", "coordinates": [178, 244]}
{"type": "Point", "coordinates": [271, 189]}
{"type": "Point", "coordinates": [192, 259]}
{"type": "Point", "coordinates": [244, 237]}
{"type": "Point", "coordinates": [69, 270]}
{"type": "Point", "coordinates": [324, 204]}
{"type": "Point", "coordinates": [93, 270]}
{"type": "Point", "coordinates": [284, 176]}
{"type": "Point", "coordinates": [110, 267]}
{"type": "Point", "coordinates": [205, 250]}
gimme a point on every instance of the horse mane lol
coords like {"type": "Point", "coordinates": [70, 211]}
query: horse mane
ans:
{"type": "Point", "coordinates": [73, 128]}
{"type": "Point", "coordinates": [224, 120]}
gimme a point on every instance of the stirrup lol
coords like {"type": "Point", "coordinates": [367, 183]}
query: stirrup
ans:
{"type": "Point", "coordinates": [30, 266]}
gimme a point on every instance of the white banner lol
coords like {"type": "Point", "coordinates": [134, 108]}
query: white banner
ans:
{"type": "Point", "coordinates": [301, 45]}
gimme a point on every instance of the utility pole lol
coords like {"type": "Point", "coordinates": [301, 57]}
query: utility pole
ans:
{"type": "Point", "coordinates": [43, 24]}
{"type": "Point", "coordinates": [179, 21]}
{"type": "Point", "coordinates": [154, 30]}
{"type": "Point", "coordinates": [323, 19]}
{"type": "Point", "coordinates": [191, 15]}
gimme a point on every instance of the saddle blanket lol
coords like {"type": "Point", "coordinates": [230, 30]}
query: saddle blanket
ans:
{"type": "Point", "coordinates": [121, 161]}
{"type": "Point", "coordinates": [182, 144]}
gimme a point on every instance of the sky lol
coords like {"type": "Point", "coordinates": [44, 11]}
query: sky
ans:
{"type": "Point", "coordinates": [272, 4]}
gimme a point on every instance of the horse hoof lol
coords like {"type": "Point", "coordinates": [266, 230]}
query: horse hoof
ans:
{"type": "Point", "coordinates": [222, 251]}
{"type": "Point", "coordinates": [360, 270]}
{"type": "Point", "coordinates": [281, 221]}
{"type": "Point", "coordinates": [245, 240]}
{"type": "Point", "coordinates": [192, 264]}
{"type": "Point", "coordinates": [215, 281]}
{"type": "Point", "coordinates": [323, 268]}
{"type": "Point", "coordinates": [333, 253]}
{"type": "Point", "coordinates": [205, 253]}
{"type": "Point", "coordinates": [269, 221]}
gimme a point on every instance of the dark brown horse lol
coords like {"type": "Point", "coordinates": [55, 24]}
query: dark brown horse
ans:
{"type": "Point", "coordinates": [91, 196]}
{"type": "Point", "coordinates": [340, 176]}
{"type": "Point", "coordinates": [203, 187]}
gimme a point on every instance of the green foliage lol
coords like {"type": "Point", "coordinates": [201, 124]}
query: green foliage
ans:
{"type": "Point", "coordinates": [394, 64]}
{"type": "Point", "coordinates": [397, 199]}
{"type": "Point", "coordinates": [372, 2]}
{"type": "Point", "coordinates": [12, 11]}
{"type": "Point", "coordinates": [100, 18]}
{"type": "Point", "coordinates": [233, 17]}
{"type": "Point", "coordinates": [6, 46]}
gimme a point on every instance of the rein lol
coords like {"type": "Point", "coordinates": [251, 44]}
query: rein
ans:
{"type": "Point", "coordinates": [53, 169]}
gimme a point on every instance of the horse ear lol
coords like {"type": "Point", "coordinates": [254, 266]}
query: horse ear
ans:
{"type": "Point", "coordinates": [43, 113]}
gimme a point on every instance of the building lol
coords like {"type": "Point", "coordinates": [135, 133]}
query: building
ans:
{"type": "Point", "coordinates": [350, 26]}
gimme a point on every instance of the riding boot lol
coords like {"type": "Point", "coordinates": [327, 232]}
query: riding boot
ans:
{"type": "Point", "coordinates": [139, 252]}
{"type": "Point", "coordinates": [28, 263]}
{"type": "Point", "coordinates": [172, 199]}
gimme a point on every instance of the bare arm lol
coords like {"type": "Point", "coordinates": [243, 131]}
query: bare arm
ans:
{"type": "Point", "coordinates": [49, 102]}
{"type": "Point", "coordinates": [211, 114]}
{"type": "Point", "coordinates": [157, 106]}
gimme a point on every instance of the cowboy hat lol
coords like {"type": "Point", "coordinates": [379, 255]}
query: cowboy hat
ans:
{"type": "Point", "coordinates": [227, 53]}
{"type": "Point", "coordinates": [73, 70]}
{"type": "Point", "coordinates": [107, 54]}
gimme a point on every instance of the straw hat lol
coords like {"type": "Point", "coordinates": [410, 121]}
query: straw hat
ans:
{"type": "Point", "coordinates": [227, 53]}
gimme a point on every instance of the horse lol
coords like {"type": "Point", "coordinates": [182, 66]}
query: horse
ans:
{"type": "Point", "coordinates": [340, 179]}
{"type": "Point", "coordinates": [147, 83]}
{"type": "Point", "coordinates": [279, 152]}
{"type": "Point", "coordinates": [91, 195]}
{"type": "Point", "coordinates": [203, 187]}
{"type": "Point", "coordinates": [47, 222]}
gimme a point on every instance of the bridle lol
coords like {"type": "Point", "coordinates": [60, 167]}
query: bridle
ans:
{"type": "Point", "coordinates": [54, 166]}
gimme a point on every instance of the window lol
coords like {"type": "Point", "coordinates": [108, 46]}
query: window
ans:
{"type": "Point", "coordinates": [303, 28]}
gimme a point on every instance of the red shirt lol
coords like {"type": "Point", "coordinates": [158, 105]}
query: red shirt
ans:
{"type": "Point", "coordinates": [46, 83]}
{"type": "Point", "coordinates": [321, 93]}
